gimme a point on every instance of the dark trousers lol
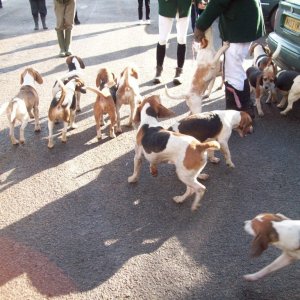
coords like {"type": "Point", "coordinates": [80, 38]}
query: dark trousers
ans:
{"type": "Point", "coordinates": [195, 13]}
{"type": "Point", "coordinates": [140, 9]}
{"type": "Point", "coordinates": [38, 7]}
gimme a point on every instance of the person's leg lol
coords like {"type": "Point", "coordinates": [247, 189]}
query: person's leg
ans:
{"type": "Point", "coordinates": [140, 9]}
{"type": "Point", "coordinates": [164, 27]}
{"type": "Point", "coordinates": [59, 13]}
{"type": "Point", "coordinates": [69, 22]}
{"type": "Point", "coordinates": [182, 29]}
{"type": "Point", "coordinates": [147, 5]}
{"type": "Point", "coordinates": [35, 13]}
{"type": "Point", "coordinates": [43, 12]}
{"type": "Point", "coordinates": [237, 90]}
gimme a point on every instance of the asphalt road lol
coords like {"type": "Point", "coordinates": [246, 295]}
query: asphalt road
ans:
{"type": "Point", "coordinates": [71, 227]}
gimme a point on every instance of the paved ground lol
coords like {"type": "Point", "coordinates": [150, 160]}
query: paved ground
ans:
{"type": "Point", "coordinates": [71, 226]}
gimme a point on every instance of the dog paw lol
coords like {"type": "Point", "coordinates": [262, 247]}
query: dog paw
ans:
{"type": "Point", "coordinates": [132, 179]}
{"type": "Point", "coordinates": [73, 126]}
{"type": "Point", "coordinates": [280, 105]}
{"type": "Point", "coordinates": [214, 160]}
{"type": "Point", "coordinates": [78, 109]}
{"type": "Point", "coordinates": [261, 114]}
{"type": "Point", "coordinates": [203, 176]}
{"type": "Point", "coordinates": [178, 199]}
{"type": "Point", "coordinates": [226, 44]}
{"type": "Point", "coordinates": [283, 113]}
{"type": "Point", "coordinates": [14, 141]}
{"type": "Point", "coordinates": [119, 130]}
{"type": "Point", "coordinates": [50, 145]}
{"type": "Point", "coordinates": [112, 135]}
{"type": "Point", "coordinates": [250, 277]}
{"type": "Point", "coordinates": [37, 128]}
{"type": "Point", "coordinates": [230, 164]}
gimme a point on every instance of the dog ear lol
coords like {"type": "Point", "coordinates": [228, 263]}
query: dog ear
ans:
{"type": "Point", "coordinates": [98, 80]}
{"type": "Point", "coordinates": [137, 115]}
{"type": "Point", "coordinates": [164, 112]}
{"type": "Point", "coordinates": [134, 73]}
{"type": "Point", "coordinates": [37, 77]}
{"type": "Point", "coordinates": [259, 82]}
{"type": "Point", "coordinates": [82, 65]}
{"type": "Point", "coordinates": [259, 245]}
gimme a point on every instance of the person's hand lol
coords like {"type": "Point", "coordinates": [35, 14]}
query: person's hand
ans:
{"type": "Point", "coordinates": [198, 35]}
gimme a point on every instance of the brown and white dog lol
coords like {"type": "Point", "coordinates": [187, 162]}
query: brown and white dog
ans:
{"type": "Point", "coordinates": [279, 231]}
{"type": "Point", "coordinates": [128, 93]}
{"type": "Point", "coordinates": [262, 76]}
{"type": "Point", "coordinates": [215, 125]}
{"type": "Point", "coordinates": [24, 105]}
{"type": "Point", "coordinates": [208, 66]}
{"type": "Point", "coordinates": [63, 106]}
{"type": "Point", "coordinates": [288, 84]}
{"type": "Point", "coordinates": [75, 67]}
{"type": "Point", "coordinates": [261, 55]}
{"type": "Point", "coordinates": [160, 145]}
{"type": "Point", "coordinates": [105, 101]}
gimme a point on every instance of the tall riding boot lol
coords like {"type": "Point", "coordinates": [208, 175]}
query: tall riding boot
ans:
{"type": "Point", "coordinates": [61, 43]}
{"type": "Point", "coordinates": [36, 22]}
{"type": "Point", "coordinates": [43, 18]}
{"type": "Point", "coordinates": [181, 49]}
{"type": "Point", "coordinates": [68, 39]}
{"type": "Point", "coordinates": [160, 56]}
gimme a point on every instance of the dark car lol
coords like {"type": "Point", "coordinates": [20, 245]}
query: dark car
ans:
{"type": "Point", "coordinates": [269, 8]}
{"type": "Point", "coordinates": [287, 33]}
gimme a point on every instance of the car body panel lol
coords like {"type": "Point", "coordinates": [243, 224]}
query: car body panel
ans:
{"type": "Point", "coordinates": [287, 33]}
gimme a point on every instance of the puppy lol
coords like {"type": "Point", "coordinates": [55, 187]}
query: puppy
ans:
{"type": "Point", "coordinates": [262, 79]}
{"type": "Point", "coordinates": [216, 125]}
{"type": "Point", "coordinates": [279, 231]}
{"type": "Point", "coordinates": [288, 84]}
{"type": "Point", "coordinates": [160, 145]}
{"type": "Point", "coordinates": [24, 105]}
{"type": "Point", "coordinates": [128, 93]}
{"type": "Point", "coordinates": [75, 67]}
{"type": "Point", "coordinates": [208, 64]}
{"type": "Point", "coordinates": [63, 106]}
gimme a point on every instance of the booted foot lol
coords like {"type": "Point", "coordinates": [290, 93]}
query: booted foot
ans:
{"type": "Point", "coordinates": [157, 78]}
{"type": "Point", "coordinates": [62, 53]}
{"type": "Point", "coordinates": [178, 78]}
{"type": "Point", "coordinates": [36, 27]}
{"type": "Point", "coordinates": [68, 53]}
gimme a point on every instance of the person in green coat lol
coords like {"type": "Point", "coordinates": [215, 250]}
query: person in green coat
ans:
{"type": "Point", "coordinates": [240, 23]}
{"type": "Point", "coordinates": [168, 10]}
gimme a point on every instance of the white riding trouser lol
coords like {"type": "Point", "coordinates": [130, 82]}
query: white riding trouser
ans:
{"type": "Point", "coordinates": [165, 28]}
{"type": "Point", "coordinates": [234, 67]}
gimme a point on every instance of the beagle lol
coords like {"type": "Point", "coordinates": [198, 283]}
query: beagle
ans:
{"type": "Point", "coordinates": [128, 93]}
{"type": "Point", "coordinates": [63, 106]}
{"type": "Point", "coordinates": [261, 55]}
{"type": "Point", "coordinates": [208, 66]}
{"type": "Point", "coordinates": [288, 84]}
{"type": "Point", "coordinates": [160, 145]}
{"type": "Point", "coordinates": [279, 231]}
{"type": "Point", "coordinates": [24, 105]}
{"type": "Point", "coordinates": [75, 67]}
{"type": "Point", "coordinates": [105, 101]}
{"type": "Point", "coordinates": [216, 125]}
{"type": "Point", "coordinates": [262, 76]}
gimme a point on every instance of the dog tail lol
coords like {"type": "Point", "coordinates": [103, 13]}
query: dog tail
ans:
{"type": "Point", "coordinates": [63, 92]}
{"type": "Point", "coordinates": [180, 97]}
{"type": "Point", "coordinates": [277, 51]}
{"type": "Point", "coordinates": [3, 107]}
{"type": "Point", "coordinates": [211, 145]}
{"type": "Point", "coordinates": [94, 90]}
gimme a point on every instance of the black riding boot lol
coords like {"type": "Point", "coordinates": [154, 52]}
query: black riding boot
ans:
{"type": "Point", "coordinates": [36, 22]}
{"type": "Point", "coordinates": [181, 49]}
{"type": "Point", "coordinates": [160, 56]}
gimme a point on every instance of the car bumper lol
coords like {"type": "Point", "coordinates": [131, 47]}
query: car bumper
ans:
{"type": "Point", "coordinates": [289, 57]}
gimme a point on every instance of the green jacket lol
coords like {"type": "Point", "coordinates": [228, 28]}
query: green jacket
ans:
{"type": "Point", "coordinates": [240, 21]}
{"type": "Point", "coordinates": [169, 8]}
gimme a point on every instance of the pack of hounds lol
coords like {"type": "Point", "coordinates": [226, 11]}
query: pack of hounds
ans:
{"type": "Point", "coordinates": [188, 144]}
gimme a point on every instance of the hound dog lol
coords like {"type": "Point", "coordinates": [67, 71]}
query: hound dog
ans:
{"type": "Point", "coordinates": [279, 231]}
{"type": "Point", "coordinates": [75, 67]}
{"type": "Point", "coordinates": [24, 105]}
{"type": "Point", "coordinates": [63, 106]}
{"type": "Point", "coordinates": [160, 145]}
{"type": "Point", "coordinates": [105, 101]}
{"type": "Point", "coordinates": [128, 93]}
{"type": "Point", "coordinates": [262, 79]}
{"type": "Point", "coordinates": [261, 55]}
{"type": "Point", "coordinates": [288, 84]}
{"type": "Point", "coordinates": [216, 125]}
{"type": "Point", "coordinates": [208, 65]}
